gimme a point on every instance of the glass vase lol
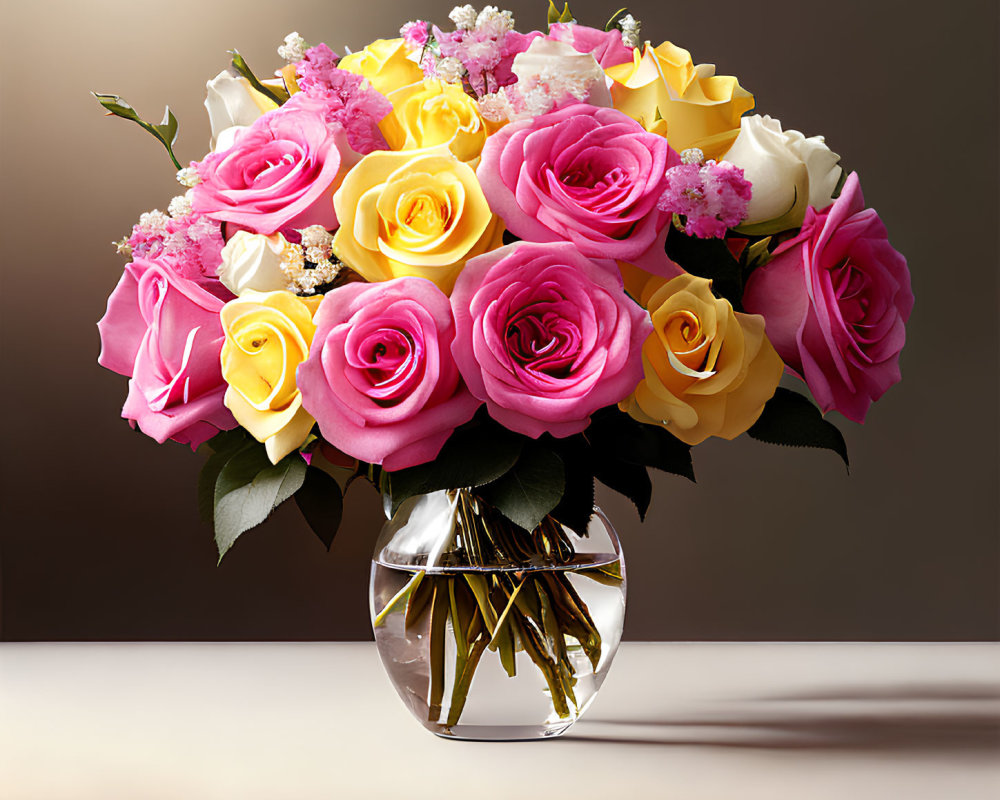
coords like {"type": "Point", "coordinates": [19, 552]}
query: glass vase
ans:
{"type": "Point", "coordinates": [488, 631]}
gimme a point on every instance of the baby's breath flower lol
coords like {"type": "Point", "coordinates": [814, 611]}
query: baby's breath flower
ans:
{"type": "Point", "coordinates": [630, 28]}
{"type": "Point", "coordinates": [188, 176]}
{"type": "Point", "coordinates": [293, 260]}
{"type": "Point", "coordinates": [180, 206]}
{"type": "Point", "coordinates": [464, 17]}
{"type": "Point", "coordinates": [316, 236]}
{"type": "Point", "coordinates": [495, 107]}
{"type": "Point", "coordinates": [122, 247]}
{"type": "Point", "coordinates": [450, 70]}
{"type": "Point", "coordinates": [154, 223]}
{"type": "Point", "coordinates": [317, 254]}
{"type": "Point", "coordinates": [692, 155]}
{"type": "Point", "coordinates": [294, 48]}
{"type": "Point", "coordinates": [497, 21]}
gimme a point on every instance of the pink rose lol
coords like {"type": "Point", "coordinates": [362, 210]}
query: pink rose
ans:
{"type": "Point", "coordinates": [164, 333]}
{"type": "Point", "coordinates": [835, 299]}
{"type": "Point", "coordinates": [380, 379]}
{"type": "Point", "coordinates": [281, 172]}
{"type": "Point", "coordinates": [546, 336]}
{"type": "Point", "coordinates": [605, 46]}
{"type": "Point", "coordinates": [583, 174]}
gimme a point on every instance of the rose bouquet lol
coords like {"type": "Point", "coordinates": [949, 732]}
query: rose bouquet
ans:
{"type": "Point", "coordinates": [490, 267]}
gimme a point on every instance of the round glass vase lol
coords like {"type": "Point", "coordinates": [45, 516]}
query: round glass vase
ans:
{"type": "Point", "coordinates": [489, 632]}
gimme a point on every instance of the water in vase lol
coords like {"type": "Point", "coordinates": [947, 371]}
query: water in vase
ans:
{"type": "Point", "coordinates": [499, 653]}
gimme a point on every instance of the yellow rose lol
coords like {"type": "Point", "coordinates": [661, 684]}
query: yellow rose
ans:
{"type": "Point", "coordinates": [414, 213]}
{"type": "Point", "coordinates": [384, 64]}
{"type": "Point", "coordinates": [432, 113]}
{"type": "Point", "coordinates": [708, 370]}
{"type": "Point", "coordinates": [268, 335]}
{"type": "Point", "coordinates": [692, 106]}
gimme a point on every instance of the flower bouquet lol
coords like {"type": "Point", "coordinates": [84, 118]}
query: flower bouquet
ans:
{"type": "Point", "coordinates": [482, 269]}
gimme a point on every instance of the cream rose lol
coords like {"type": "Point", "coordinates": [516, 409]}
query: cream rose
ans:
{"type": "Point", "coordinates": [253, 261]}
{"type": "Point", "coordinates": [268, 334]}
{"type": "Point", "coordinates": [232, 103]}
{"type": "Point", "coordinates": [708, 371]}
{"type": "Point", "coordinates": [417, 213]}
{"type": "Point", "coordinates": [787, 170]}
{"type": "Point", "coordinates": [551, 74]}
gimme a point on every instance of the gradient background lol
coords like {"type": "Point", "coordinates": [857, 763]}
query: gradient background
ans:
{"type": "Point", "coordinates": [100, 535]}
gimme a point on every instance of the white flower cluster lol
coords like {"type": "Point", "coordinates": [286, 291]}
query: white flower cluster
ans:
{"type": "Point", "coordinates": [693, 155]}
{"type": "Point", "coordinates": [180, 206]}
{"type": "Point", "coordinates": [490, 21]}
{"type": "Point", "coordinates": [630, 28]}
{"type": "Point", "coordinates": [315, 247]}
{"type": "Point", "coordinates": [494, 21]}
{"type": "Point", "coordinates": [464, 17]}
{"type": "Point", "coordinates": [450, 70]}
{"type": "Point", "coordinates": [496, 107]}
{"type": "Point", "coordinates": [294, 48]}
{"type": "Point", "coordinates": [154, 223]}
{"type": "Point", "coordinates": [188, 176]}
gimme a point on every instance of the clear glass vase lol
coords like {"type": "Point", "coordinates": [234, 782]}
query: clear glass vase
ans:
{"type": "Point", "coordinates": [486, 631]}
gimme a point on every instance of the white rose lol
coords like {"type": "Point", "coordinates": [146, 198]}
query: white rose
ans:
{"type": "Point", "coordinates": [253, 261]}
{"type": "Point", "coordinates": [548, 72]}
{"type": "Point", "coordinates": [232, 102]}
{"type": "Point", "coordinates": [788, 171]}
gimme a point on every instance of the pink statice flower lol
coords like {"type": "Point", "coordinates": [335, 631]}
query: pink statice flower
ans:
{"type": "Point", "coordinates": [712, 197]}
{"type": "Point", "coordinates": [190, 246]}
{"type": "Point", "coordinates": [349, 101]}
{"type": "Point", "coordinates": [416, 34]}
{"type": "Point", "coordinates": [487, 52]}
{"type": "Point", "coordinates": [316, 69]}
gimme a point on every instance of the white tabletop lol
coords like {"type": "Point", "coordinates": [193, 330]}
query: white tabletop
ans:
{"type": "Point", "coordinates": [679, 721]}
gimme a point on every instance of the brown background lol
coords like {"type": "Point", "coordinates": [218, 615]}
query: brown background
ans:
{"type": "Point", "coordinates": [101, 538]}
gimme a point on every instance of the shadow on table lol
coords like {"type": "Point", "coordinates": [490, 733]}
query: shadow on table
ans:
{"type": "Point", "coordinates": [915, 718]}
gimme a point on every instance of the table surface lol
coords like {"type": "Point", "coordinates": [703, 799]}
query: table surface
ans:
{"type": "Point", "coordinates": [719, 721]}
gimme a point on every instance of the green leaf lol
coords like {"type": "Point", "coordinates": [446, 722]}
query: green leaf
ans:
{"type": "Point", "coordinates": [531, 490]}
{"type": "Point", "coordinates": [555, 15]}
{"type": "Point", "coordinates": [612, 23]}
{"type": "Point", "coordinates": [707, 258]}
{"type": "Point", "coordinates": [577, 504]}
{"type": "Point", "coordinates": [790, 418]}
{"type": "Point", "coordinates": [321, 503]}
{"type": "Point", "coordinates": [615, 436]}
{"type": "Point", "coordinates": [474, 455]}
{"type": "Point", "coordinates": [165, 132]}
{"type": "Point", "coordinates": [630, 480]}
{"type": "Point", "coordinates": [757, 254]}
{"type": "Point", "coordinates": [224, 445]}
{"type": "Point", "coordinates": [279, 96]}
{"type": "Point", "coordinates": [249, 488]}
